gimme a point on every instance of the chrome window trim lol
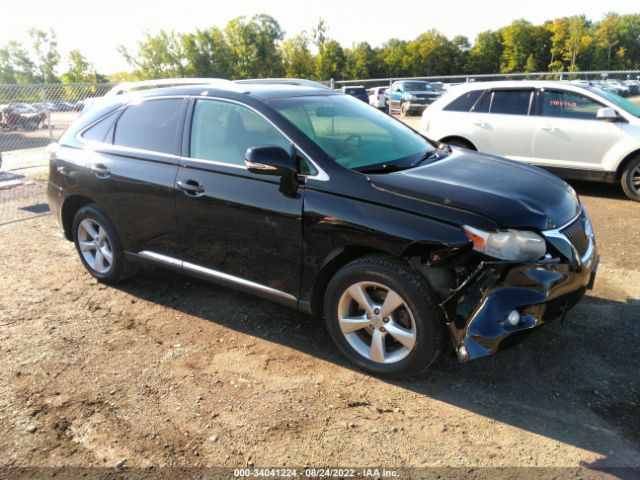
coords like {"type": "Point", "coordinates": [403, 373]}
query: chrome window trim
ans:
{"type": "Point", "coordinates": [194, 268]}
{"type": "Point", "coordinates": [321, 176]}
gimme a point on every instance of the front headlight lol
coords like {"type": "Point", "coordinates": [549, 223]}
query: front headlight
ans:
{"type": "Point", "coordinates": [511, 245]}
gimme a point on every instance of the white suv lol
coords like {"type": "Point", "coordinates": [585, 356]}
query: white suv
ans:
{"type": "Point", "coordinates": [576, 131]}
{"type": "Point", "coordinates": [378, 96]}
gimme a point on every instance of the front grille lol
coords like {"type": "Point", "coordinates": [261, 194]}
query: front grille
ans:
{"type": "Point", "coordinates": [577, 235]}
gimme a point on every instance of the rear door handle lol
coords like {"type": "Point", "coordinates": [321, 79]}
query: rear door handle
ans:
{"type": "Point", "coordinates": [100, 170]}
{"type": "Point", "coordinates": [548, 128]}
{"type": "Point", "coordinates": [191, 187]}
{"type": "Point", "coordinates": [480, 124]}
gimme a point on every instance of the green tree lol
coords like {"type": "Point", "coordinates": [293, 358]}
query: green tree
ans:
{"type": "Point", "coordinates": [430, 54]}
{"type": "Point", "coordinates": [80, 70]}
{"type": "Point", "coordinates": [518, 43]}
{"type": "Point", "coordinates": [391, 56]}
{"type": "Point", "coordinates": [207, 53]}
{"type": "Point", "coordinates": [297, 58]}
{"type": "Point", "coordinates": [45, 46]}
{"type": "Point", "coordinates": [578, 40]}
{"type": "Point", "coordinates": [158, 56]}
{"type": "Point", "coordinates": [254, 46]}
{"type": "Point", "coordinates": [630, 40]}
{"type": "Point", "coordinates": [15, 64]}
{"type": "Point", "coordinates": [360, 61]}
{"type": "Point", "coordinates": [332, 61]}
{"type": "Point", "coordinates": [607, 35]}
{"type": "Point", "coordinates": [460, 49]}
{"type": "Point", "coordinates": [486, 53]}
{"type": "Point", "coordinates": [319, 38]}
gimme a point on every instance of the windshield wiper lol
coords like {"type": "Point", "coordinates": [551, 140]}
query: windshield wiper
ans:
{"type": "Point", "coordinates": [442, 151]}
{"type": "Point", "coordinates": [384, 168]}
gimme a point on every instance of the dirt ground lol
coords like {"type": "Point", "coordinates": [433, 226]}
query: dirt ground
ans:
{"type": "Point", "coordinates": [168, 371]}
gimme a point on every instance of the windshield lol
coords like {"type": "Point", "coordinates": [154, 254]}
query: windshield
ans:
{"type": "Point", "coordinates": [623, 103]}
{"type": "Point", "coordinates": [417, 87]}
{"type": "Point", "coordinates": [354, 134]}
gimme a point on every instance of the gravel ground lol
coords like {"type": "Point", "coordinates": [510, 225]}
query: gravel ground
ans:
{"type": "Point", "coordinates": [168, 371]}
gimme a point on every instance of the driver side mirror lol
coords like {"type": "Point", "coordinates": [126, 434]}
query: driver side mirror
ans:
{"type": "Point", "coordinates": [607, 114]}
{"type": "Point", "coordinates": [276, 161]}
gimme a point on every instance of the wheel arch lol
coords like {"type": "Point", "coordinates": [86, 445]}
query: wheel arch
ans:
{"type": "Point", "coordinates": [449, 138]}
{"type": "Point", "coordinates": [625, 161]}
{"type": "Point", "coordinates": [69, 209]}
{"type": "Point", "coordinates": [341, 256]}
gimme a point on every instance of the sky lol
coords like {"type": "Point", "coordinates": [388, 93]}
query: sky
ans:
{"type": "Point", "coordinates": [97, 28]}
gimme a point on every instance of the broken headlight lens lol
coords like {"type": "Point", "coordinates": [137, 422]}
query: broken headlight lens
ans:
{"type": "Point", "coordinates": [510, 245]}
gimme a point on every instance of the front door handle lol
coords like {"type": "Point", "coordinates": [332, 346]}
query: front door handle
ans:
{"type": "Point", "coordinates": [100, 170]}
{"type": "Point", "coordinates": [548, 128]}
{"type": "Point", "coordinates": [191, 187]}
{"type": "Point", "coordinates": [480, 124]}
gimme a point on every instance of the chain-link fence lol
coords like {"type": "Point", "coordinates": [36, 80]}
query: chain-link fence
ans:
{"type": "Point", "coordinates": [32, 116]}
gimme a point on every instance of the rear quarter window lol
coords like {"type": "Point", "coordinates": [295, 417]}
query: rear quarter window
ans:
{"type": "Point", "coordinates": [101, 131]}
{"type": "Point", "coordinates": [464, 102]}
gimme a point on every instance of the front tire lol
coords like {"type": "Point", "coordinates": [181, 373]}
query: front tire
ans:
{"type": "Point", "coordinates": [384, 317]}
{"type": "Point", "coordinates": [630, 179]}
{"type": "Point", "coordinates": [99, 246]}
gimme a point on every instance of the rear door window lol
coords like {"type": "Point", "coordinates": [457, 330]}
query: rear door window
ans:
{"type": "Point", "coordinates": [511, 102]}
{"type": "Point", "coordinates": [151, 125]}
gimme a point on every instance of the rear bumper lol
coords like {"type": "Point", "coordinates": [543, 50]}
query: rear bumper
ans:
{"type": "Point", "coordinates": [477, 312]}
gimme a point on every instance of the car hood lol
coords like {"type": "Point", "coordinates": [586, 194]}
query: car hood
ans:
{"type": "Point", "coordinates": [513, 195]}
{"type": "Point", "coordinates": [422, 92]}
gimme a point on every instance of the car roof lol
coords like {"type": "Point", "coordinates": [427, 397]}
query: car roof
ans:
{"type": "Point", "coordinates": [477, 85]}
{"type": "Point", "coordinates": [261, 91]}
{"type": "Point", "coordinates": [263, 88]}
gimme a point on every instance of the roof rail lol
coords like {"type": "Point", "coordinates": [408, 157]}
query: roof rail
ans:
{"type": "Point", "coordinates": [301, 82]}
{"type": "Point", "coordinates": [128, 87]}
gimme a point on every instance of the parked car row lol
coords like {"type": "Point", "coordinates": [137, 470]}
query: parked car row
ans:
{"type": "Point", "coordinates": [36, 107]}
{"type": "Point", "coordinates": [407, 96]}
{"type": "Point", "coordinates": [576, 130]}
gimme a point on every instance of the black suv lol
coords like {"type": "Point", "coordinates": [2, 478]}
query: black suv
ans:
{"type": "Point", "coordinates": [313, 199]}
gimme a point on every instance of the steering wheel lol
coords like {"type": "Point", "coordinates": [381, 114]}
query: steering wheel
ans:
{"type": "Point", "coordinates": [352, 142]}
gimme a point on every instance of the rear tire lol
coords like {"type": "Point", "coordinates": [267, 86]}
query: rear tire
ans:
{"type": "Point", "coordinates": [99, 246]}
{"type": "Point", "coordinates": [403, 333]}
{"type": "Point", "coordinates": [630, 179]}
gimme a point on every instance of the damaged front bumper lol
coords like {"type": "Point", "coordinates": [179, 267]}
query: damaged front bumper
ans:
{"type": "Point", "coordinates": [478, 311]}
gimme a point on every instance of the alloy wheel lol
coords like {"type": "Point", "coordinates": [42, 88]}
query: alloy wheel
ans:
{"type": "Point", "coordinates": [635, 180]}
{"type": "Point", "coordinates": [95, 245]}
{"type": "Point", "coordinates": [376, 322]}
